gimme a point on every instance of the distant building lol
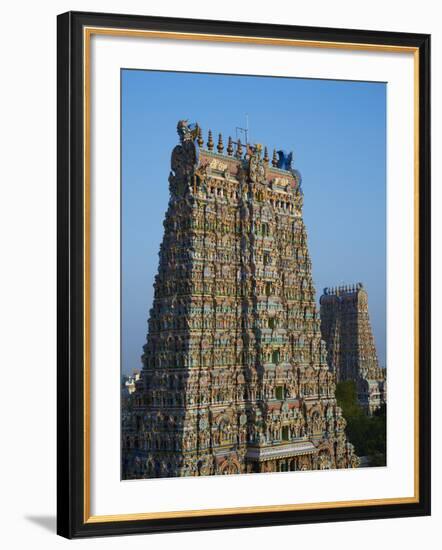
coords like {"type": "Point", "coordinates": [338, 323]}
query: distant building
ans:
{"type": "Point", "coordinates": [351, 351]}
{"type": "Point", "coordinates": [235, 378]}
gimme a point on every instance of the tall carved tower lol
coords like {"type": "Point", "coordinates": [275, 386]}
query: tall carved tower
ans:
{"type": "Point", "coordinates": [235, 377]}
{"type": "Point", "coordinates": [351, 351]}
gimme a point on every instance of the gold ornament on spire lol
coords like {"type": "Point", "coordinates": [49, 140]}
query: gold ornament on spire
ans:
{"type": "Point", "coordinates": [210, 141]}
{"type": "Point", "coordinates": [230, 147]}
{"type": "Point", "coordinates": [200, 140]}
{"type": "Point", "coordinates": [266, 155]}
{"type": "Point", "coordinates": [220, 145]}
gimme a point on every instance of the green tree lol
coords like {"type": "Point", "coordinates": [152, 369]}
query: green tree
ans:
{"type": "Point", "coordinates": [366, 433]}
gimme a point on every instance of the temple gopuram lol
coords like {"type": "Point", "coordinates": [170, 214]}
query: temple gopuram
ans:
{"type": "Point", "coordinates": [351, 351]}
{"type": "Point", "coordinates": [235, 376]}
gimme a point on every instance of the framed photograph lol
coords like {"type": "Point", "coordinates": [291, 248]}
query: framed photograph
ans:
{"type": "Point", "coordinates": [243, 264]}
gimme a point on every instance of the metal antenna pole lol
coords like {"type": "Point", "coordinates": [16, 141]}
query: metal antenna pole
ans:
{"type": "Point", "coordinates": [247, 128]}
{"type": "Point", "coordinates": [244, 131]}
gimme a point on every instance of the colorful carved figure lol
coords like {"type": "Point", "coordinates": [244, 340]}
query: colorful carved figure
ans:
{"type": "Point", "coordinates": [284, 160]}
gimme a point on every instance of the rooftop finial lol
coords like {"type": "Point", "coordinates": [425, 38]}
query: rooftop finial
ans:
{"type": "Point", "coordinates": [266, 155]}
{"type": "Point", "coordinates": [220, 145]}
{"type": "Point", "coordinates": [274, 159]}
{"type": "Point", "coordinates": [230, 147]}
{"type": "Point", "coordinates": [210, 141]}
{"type": "Point", "coordinates": [200, 137]}
{"type": "Point", "coordinates": [239, 149]}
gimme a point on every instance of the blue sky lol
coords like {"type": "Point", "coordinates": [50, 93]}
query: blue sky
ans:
{"type": "Point", "coordinates": [337, 131]}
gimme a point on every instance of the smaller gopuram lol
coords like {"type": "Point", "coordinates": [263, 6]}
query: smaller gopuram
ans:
{"type": "Point", "coordinates": [351, 350]}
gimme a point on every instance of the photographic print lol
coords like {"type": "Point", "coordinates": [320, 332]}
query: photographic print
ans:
{"type": "Point", "coordinates": [253, 274]}
{"type": "Point", "coordinates": [243, 264]}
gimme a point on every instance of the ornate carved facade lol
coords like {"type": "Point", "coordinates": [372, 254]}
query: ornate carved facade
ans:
{"type": "Point", "coordinates": [235, 377]}
{"type": "Point", "coordinates": [351, 351]}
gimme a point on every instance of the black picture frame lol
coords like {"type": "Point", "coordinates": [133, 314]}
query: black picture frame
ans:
{"type": "Point", "coordinates": [72, 521]}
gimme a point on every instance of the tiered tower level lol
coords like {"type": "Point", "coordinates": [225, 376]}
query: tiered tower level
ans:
{"type": "Point", "coordinates": [235, 377]}
{"type": "Point", "coordinates": [351, 350]}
